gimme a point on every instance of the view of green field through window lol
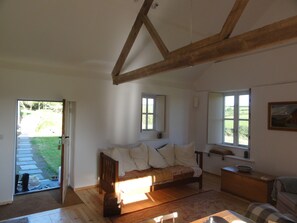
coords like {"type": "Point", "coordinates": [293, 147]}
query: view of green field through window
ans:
{"type": "Point", "coordinates": [236, 119]}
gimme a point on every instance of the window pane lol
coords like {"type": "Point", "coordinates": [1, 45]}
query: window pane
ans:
{"type": "Point", "coordinates": [243, 133]}
{"type": "Point", "coordinates": [244, 107]}
{"type": "Point", "coordinates": [150, 122]}
{"type": "Point", "coordinates": [143, 105]}
{"type": "Point", "coordinates": [143, 122]}
{"type": "Point", "coordinates": [228, 131]}
{"type": "Point", "coordinates": [150, 105]}
{"type": "Point", "coordinates": [229, 107]}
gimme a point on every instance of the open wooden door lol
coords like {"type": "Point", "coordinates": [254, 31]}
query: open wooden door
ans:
{"type": "Point", "coordinates": [65, 151]}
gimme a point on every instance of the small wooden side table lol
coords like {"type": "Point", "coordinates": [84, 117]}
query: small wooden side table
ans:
{"type": "Point", "coordinates": [252, 186]}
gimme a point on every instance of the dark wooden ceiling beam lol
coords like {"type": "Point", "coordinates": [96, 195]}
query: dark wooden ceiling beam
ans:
{"type": "Point", "coordinates": [132, 36]}
{"type": "Point", "coordinates": [267, 36]}
{"type": "Point", "coordinates": [142, 17]}
{"type": "Point", "coordinates": [233, 18]}
{"type": "Point", "coordinates": [195, 46]}
{"type": "Point", "coordinates": [155, 36]}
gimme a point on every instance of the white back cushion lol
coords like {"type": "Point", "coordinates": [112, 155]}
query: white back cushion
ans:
{"type": "Point", "coordinates": [140, 156]}
{"type": "Point", "coordinates": [168, 154]}
{"type": "Point", "coordinates": [185, 155]}
{"type": "Point", "coordinates": [155, 159]}
{"type": "Point", "coordinates": [125, 160]}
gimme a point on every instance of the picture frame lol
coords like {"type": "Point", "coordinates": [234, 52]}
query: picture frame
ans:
{"type": "Point", "coordinates": [282, 116]}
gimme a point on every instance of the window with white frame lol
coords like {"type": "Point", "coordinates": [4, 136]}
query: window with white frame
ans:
{"type": "Point", "coordinates": [236, 118]}
{"type": "Point", "coordinates": [148, 113]}
{"type": "Point", "coordinates": [229, 118]}
{"type": "Point", "coordinates": [153, 116]}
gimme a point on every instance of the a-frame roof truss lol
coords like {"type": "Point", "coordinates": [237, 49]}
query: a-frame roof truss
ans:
{"type": "Point", "coordinates": [217, 47]}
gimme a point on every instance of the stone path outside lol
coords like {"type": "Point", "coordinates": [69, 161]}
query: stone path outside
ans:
{"type": "Point", "coordinates": [25, 163]}
{"type": "Point", "coordinates": [25, 158]}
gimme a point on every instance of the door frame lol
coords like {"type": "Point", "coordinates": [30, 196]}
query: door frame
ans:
{"type": "Point", "coordinates": [65, 125]}
{"type": "Point", "coordinates": [67, 147]}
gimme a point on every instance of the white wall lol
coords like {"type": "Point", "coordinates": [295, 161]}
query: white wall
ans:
{"type": "Point", "coordinates": [266, 73]}
{"type": "Point", "coordinates": [274, 151]}
{"type": "Point", "coordinates": [105, 114]}
{"type": "Point", "coordinates": [7, 143]}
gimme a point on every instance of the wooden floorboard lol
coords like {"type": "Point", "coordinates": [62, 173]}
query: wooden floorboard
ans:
{"type": "Point", "coordinates": [92, 208]}
{"type": "Point", "coordinates": [163, 196]}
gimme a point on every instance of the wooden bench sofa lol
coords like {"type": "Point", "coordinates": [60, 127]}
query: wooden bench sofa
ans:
{"type": "Point", "coordinates": [159, 177]}
{"type": "Point", "coordinates": [149, 174]}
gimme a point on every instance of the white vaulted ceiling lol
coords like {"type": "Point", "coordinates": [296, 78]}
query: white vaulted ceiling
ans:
{"type": "Point", "coordinates": [88, 35]}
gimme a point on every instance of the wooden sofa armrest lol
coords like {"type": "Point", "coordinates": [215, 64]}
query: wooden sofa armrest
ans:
{"type": "Point", "coordinates": [287, 184]}
{"type": "Point", "coordinates": [108, 173]}
{"type": "Point", "coordinates": [199, 158]}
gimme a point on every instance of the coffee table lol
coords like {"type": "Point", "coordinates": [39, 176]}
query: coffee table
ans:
{"type": "Point", "coordinates": [225, 216]}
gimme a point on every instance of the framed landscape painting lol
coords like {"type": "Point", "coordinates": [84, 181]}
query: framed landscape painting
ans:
{"type": "Point", "coordinates": [282, 116]}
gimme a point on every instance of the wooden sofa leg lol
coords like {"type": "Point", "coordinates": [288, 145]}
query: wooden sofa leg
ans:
{"type": "Point", "coordinates": [200, 182]}
{"type": "Point", "coordinates": [100, 189]}
{"type": "Point", "coordinates": [111, 207]}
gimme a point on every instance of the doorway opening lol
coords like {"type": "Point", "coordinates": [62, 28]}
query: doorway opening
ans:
{"type": "Point", "coordinates": [38, 148]}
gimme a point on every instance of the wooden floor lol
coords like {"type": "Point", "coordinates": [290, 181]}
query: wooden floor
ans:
{"type": "Point", "coordinates": [92, 209]}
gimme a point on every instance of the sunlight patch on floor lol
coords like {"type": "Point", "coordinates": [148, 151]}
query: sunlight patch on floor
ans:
{"type": "Point", "coordinates": [131, 198]}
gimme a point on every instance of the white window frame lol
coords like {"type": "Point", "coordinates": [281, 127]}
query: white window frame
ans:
{"type": "Point", "coordinates": [236, 118]}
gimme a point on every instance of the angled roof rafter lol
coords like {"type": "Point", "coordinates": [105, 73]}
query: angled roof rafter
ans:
{"type": "Point", "coordinates": [155, 36]}
{"type": "Point", "coordinates": [132, 36]}
{"type": "Point", "coordinates": [233, 18]}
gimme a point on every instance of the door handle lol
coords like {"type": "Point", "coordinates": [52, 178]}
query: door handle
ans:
{"type": "Point", "coordinates": [61, 141]}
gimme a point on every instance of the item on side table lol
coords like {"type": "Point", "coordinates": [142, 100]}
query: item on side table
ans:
{"type": "Point", "coordinates": [244, 169]}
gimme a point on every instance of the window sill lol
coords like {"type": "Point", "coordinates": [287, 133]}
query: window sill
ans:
{"type": "Point", "coordinates": [151, 135]}
{"type": "Point", "coordinates": [233, 147]}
